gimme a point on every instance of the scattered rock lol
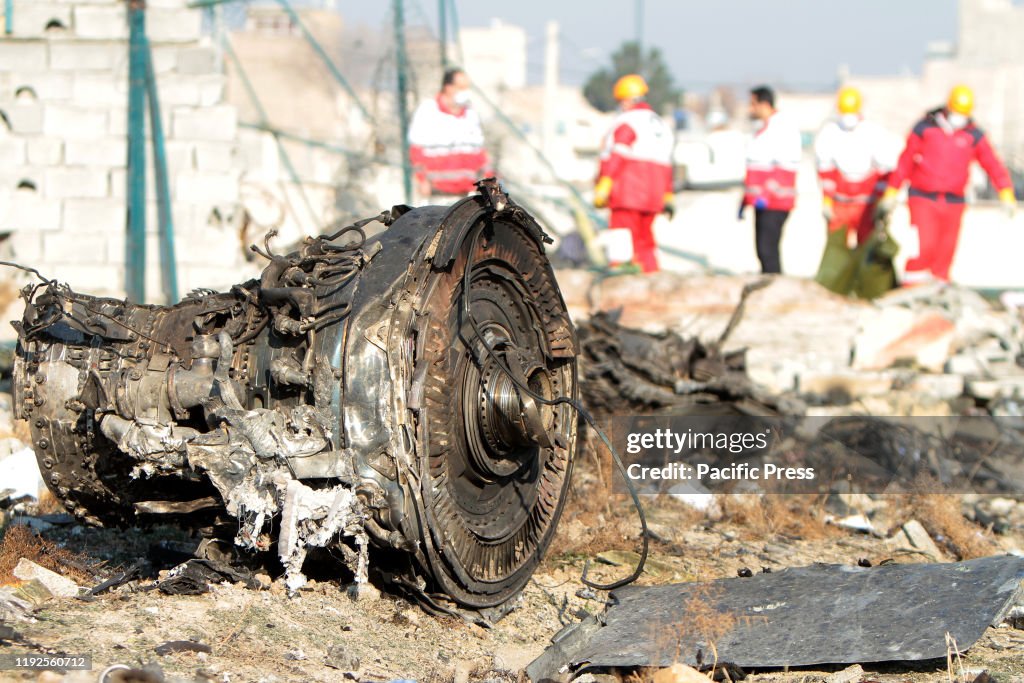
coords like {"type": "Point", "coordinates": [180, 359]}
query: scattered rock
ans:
{"type": "Point", "coordinates": [679, 673]}
{"type": "Point", "coordinates": [899, 335]}
{"type": "Point", "coordinates": [912, 535]}
{"type": "Point", "coordinates": [465, 668]}
{"type": "Point", "coordinates": [339, 657]}
{"type": "Point", "coordinates": [851, 674]}
{"type": "Point", "coordinates": [363, 592]}
{"type": "Point", "coordinates": [295, 655]}
{"type": "Point", "coordinates": [58, 585]}
{"type": "Point", "coordinates": [856, 523]}
{"type": "Point", "coordinates": [172, 646]}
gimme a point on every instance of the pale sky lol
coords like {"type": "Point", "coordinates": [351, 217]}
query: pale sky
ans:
{"type": "Point", "coordinates": [796, 43]}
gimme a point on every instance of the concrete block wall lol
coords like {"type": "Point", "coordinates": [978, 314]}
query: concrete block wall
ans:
{"type": "Point", "coordinates": [63, 147]}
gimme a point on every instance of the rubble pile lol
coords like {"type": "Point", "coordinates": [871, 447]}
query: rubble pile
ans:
{"type": "Point", "coordinates": [932, 349]}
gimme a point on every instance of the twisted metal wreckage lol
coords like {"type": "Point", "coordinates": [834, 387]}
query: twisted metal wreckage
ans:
{"type": "Point", "coordinates": [400, 391]}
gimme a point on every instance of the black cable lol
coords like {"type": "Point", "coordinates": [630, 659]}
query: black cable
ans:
{"type": "Point", "coordinates": [33, 271]}
{"type": "Point", "coordinates": [561, 400]}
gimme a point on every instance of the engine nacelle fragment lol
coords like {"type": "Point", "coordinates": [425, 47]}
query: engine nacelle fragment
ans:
{"type": "Point", "coordinates": [362, 392]}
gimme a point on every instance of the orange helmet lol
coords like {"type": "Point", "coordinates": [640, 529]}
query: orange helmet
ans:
{"type": "Point", "coordinates": [630, 87]}
{"type": "Point", "coordinates": [961, 100]}
{"type": "Point", "coordinates": [849, 100]}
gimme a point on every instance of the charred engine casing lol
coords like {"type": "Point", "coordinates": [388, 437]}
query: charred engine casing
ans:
{"type": "Point", "coordinates": [343, 399]}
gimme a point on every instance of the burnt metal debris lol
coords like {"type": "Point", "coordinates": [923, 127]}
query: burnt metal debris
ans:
{"type": "Point", "coordinates": [630, 371]}
{"type": "Point", "coordinates": [822, 614]}
{"type": "Point", "coordinates": [362, 392]}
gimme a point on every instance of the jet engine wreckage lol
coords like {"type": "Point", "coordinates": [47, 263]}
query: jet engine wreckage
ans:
{"type": "Point", "coordinates": [362, 392]}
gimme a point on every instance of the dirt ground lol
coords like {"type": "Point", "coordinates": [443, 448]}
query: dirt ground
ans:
{"type": "Point", "coordinates": [264, 635]}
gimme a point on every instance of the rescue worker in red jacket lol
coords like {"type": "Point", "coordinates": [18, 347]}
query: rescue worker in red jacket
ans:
{"type": "Point", "coordinates": [635, 177]}
{"type": "Point", "coordinates": [855, 157]}
{"type": "Point", "coordinates": [446, 141]}
{"type": "Point", "coordinates": [770, 186]}
{"type": "Point", "coordinates": [935, 162]}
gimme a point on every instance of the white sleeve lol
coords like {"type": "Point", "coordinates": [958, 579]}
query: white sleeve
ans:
{"type": "Point", "coordinates": [886, 150]}
{"type": "Point", "coordinates": [824, 154]}
{"type": "Point", "coordinates": [419, 127]}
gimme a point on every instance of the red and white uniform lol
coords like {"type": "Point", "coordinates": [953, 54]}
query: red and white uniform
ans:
{"type": "Point", "coordinates": [447, 148]}
{"type": "Point", "coordinates": [773, 156]}
{"type": "Point", "coordinates": [854, 166]}
{"type": "Point", "coordinates": [936, 161]}
{"type": "Point", "coordinates": [637, 156]}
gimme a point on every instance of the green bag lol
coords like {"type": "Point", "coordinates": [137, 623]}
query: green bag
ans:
{"type": "Point", "coordinates": [866, 271]}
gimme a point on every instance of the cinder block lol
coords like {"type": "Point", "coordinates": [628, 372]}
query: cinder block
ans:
{"type": "Point", "coordinates": [22, 55]}
{"type": "Point", "coordinates": [24, 118]}
{"type": "Point", "coordinates": [102, 22]}
{"type": "Point", "coordinates": [75, 246]}
{"type": "Point", "coordinates": [24, 177]}
{"type": "Point", "coordinates": [178, 91]}
{"type": "Point", "coordinates": [211, 90]}
{"type": "Point", "coordinates": [105, 152]}
{"type": "Point", "coordinates": [180, 157]}
{"type": "Point", "coordinates": [91, 56]}
{"type": "Point", "coordinates": [47, 86]}
{"type": "Point", "coordinates": [194, 61]}
{"type": "Point", "coordinates": [31, 18]}
{"type": "Point", "coordinates": [74, 123]}
{"type": "Point", "coordinates": [44, 151]}
{"type": "Point", "coordinates": [99, 90]}
{"type": "Point", "coordinates": [12, 150]}
{"type": "Point", "coordinates": [27, 211]}
{"type": "Point", "coordinates": [207, 123]}
{"type": "Point", "coordinates": [94, 215]}
{"type": "Point", "coordinates": [206, 187]}
{"type": "Point", "coordinates": [173, 25]}
{"type": "Point", "coordinates": [26, 247]}
{"type": "Point", "coordinates": [100, 279]}
{"type": "Point", "coordinates": [165, 58]}
{"type": "Point", "coordinates": [216, 157]}
{"type": "Point", "coordinates": [79, 182]}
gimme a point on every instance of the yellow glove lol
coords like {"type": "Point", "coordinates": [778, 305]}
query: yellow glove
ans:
{"type": "Point", "coordinates": [602, 191]}
{"type": "Point", "coordinates": [669, 205]}
{"type": "Point", "coordinates": [828, 208]}
{"type": "Point", "coordinates": [887, 203]}
{"type": "Point", "coordinates": [1009, 201]}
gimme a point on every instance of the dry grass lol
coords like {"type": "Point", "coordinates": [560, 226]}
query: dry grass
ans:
{"type": "Point", "coordinates": [703, 625]}
{"type": "Point", "coordinates": [48, 504]}
{"type": "Point", "coordinates": [941, 516]}
{"type": "Point", "coordinates": [19, 541]}
{"type": "Point", "coordinates": [794, 515]}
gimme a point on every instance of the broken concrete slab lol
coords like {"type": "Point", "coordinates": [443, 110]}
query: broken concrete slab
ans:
{"type": "Point", "coordinates": [679, 673]}
{"type": "Point", "coordinates": [913, 536]}
{"type": "Point", "coordinates": [1002, 387]}
{"type": "Point", "coordinates": [892, 336]}
{"type": "Point", "coordinates": [59, 586]}
{"type": "Point", "coordinates": [821, 614]}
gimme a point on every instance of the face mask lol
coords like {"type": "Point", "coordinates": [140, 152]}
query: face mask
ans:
{"type": "Point", "coordinates": [756, 123]}
{"type": "Point", "coordinates": [462, 98]}
{"type": "Point", "coordinates": [849, 121]}
{"type": "Point", "coordinates": [956, 121]}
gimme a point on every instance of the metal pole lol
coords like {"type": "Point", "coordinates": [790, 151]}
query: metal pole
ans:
{"type": "Point", "coordinates": [135, 242]}
{"type": "Point", "coordinates": [165, 221]}
{"type": "Point", "coordinates": [403, 112]}
{"type": "Point", "coordinates": [442, 11]}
